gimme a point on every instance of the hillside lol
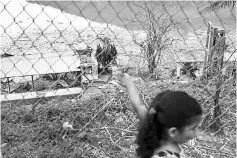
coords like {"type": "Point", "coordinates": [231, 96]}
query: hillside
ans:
{"type": "Point", "coordinates": [65, 31]}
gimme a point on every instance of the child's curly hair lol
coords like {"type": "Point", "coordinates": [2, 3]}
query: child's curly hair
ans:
{"type": "Point", "coordinates": [172, 109]}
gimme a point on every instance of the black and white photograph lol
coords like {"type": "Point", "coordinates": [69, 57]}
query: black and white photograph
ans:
{"type": "Point", "coordinates": [118, 79]}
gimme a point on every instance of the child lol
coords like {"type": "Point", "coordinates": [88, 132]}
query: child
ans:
{"type": "Point", "coordinates": [170, 120]}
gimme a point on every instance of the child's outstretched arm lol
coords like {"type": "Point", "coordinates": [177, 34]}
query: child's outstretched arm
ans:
{"type": "Point", "coordinates": [136, 102]}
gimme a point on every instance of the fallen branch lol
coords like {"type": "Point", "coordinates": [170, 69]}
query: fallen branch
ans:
{"type": "Point", "coordinates": [123, 130]}
{"type": "Point", "coordinates": [95, 116]}
{"type": "Point", "coordinates": [109, 135]}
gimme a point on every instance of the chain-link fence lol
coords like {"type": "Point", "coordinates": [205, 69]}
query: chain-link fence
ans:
{"type": "Point", "coordinates": [58, 97]}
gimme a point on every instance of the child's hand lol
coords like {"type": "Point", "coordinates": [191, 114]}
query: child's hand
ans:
{"type": "Point", "coordinates": [121, 77]}
{"type": "Point", "coordinates": [124, 79]}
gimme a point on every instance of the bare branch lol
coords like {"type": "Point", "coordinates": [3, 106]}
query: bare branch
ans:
{"type": "Point", "coordinates": [157, 28]}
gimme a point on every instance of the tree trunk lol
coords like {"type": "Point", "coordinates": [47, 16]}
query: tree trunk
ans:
{"type": "Point", "coordinates": [151, 58]}
{"type": "Point", "coordinates": [152, 65]}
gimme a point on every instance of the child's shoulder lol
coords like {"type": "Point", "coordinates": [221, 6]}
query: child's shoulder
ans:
{"type": "Point", "coordinates": [166, 154]}
{"type": "Point", "coordinates": [169, 154]}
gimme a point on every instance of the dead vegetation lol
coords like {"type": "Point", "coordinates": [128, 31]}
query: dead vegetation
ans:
{"type": "Point", "coordinates": [104, 125]}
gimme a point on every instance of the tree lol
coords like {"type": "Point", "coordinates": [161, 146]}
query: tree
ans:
{"type": "Point", "coordinates": [157, 25]}
{"type": "Point", "coordinates": [219, 5]}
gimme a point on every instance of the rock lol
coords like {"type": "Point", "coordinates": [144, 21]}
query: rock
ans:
{"type": "Point", "coordinates": [73, 100]}
{"type": "Point", "coordinates": [28, 108]}
{"type": "Point", "coordinates": [3, 145]}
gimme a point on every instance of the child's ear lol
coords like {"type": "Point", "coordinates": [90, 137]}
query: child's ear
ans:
{"type": "Point", "coordinates": [173, 132]}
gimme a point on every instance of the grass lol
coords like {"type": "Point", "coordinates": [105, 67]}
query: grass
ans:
{"type": "Point", "coordinates": [104, 125]}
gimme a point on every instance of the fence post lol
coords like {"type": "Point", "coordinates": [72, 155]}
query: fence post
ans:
{"type": "Point", "coordinates": [206, 50]}
{"type": "Point", "coordinates": [33, 86]}
{"type": "Point", "coordinates": [178, 65]}
{"type": "Point", "coordinates": [8, 82]}
{"type": "Point", "coordinates": [215, 43]}
{"type": "Point", "coordinates": [222, 47]}
{"type": "Point", "coordinates": [220, 44]}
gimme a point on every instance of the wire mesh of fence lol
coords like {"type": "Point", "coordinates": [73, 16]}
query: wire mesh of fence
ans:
{"type": "Point", "coordinates": [59, 59]}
